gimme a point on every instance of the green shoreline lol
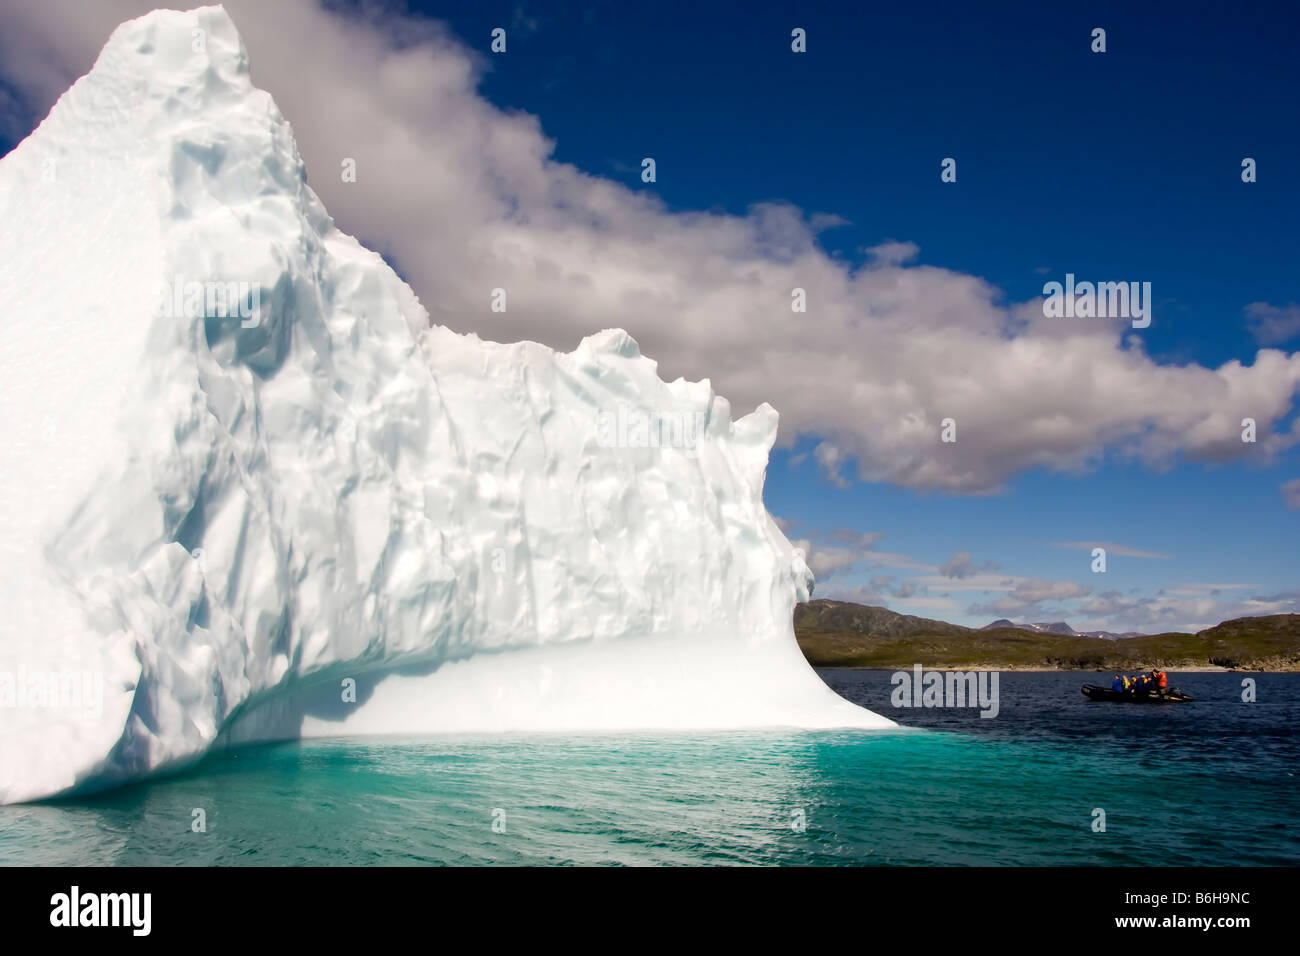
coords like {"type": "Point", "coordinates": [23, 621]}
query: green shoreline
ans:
{"type": "Point", "coordinates": [1245, 644]}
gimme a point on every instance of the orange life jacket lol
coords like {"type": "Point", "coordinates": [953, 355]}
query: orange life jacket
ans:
{"type": "Point", "coordinates": [1162, 681]}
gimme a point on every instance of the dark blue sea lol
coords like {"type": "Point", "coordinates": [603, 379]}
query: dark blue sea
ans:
{"type": "Point", "coordinates": [1213, 782]}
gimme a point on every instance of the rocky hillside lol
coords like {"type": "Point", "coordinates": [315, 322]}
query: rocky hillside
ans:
{"type": "Point", "coordinates": [841, 634]}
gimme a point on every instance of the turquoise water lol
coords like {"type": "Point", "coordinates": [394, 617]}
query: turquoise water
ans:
{"type": "Point", "coordinates": [1195, 789]}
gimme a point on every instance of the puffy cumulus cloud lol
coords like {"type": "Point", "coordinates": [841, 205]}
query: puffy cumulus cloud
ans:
{"type": "Point", "coordinates": [465, 197]}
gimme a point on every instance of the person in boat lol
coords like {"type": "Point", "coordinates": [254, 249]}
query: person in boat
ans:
{"type": "Point", "coordinates": [1118, 684]}
{"type": "Point", "coordinates": [1160, 681]}
{"type": "Point", "coordinates": [1142, 684]}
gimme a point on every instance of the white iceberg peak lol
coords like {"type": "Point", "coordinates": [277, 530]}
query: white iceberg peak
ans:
{"type": "Point", "coordinates": [245, 476]}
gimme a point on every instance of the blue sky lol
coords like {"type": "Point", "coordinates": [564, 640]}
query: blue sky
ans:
{"type": "Point", "coordinates": [1117, 166]}
{"type": "Point", "coordinates": [1123, 164]}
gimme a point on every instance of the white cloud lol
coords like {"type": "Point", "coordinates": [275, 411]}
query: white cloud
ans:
{"type": "Point", "coordinates": [831, 460]}
{"type": "Point", "coordinates": [1204, 589]}
{"type": "Point", "coordinates": [863, 540]}
{"type": "Point", "coordinates": [906, 602]}
{"type": "Point", "coordinates": [893, 253]}
{"type": "Point", "coordinates": [465, 197]}
{"type": "Point", "coordinates": [825, 561]}
{"type": "Point", "coordinates": [1273, 324]}
{"type": "Point", "coordinates": [890, 559]}
{"type": "Point", "coordinates": [1112, 610]}
{"type": "Point", "coordinates": [860, 594]}
{"type": "Point", "coordinates": [1291, 493]}
{"type": "Point", "coordinates": [960, 565]}
{"type": "Point", "coordinates": [905, 589]}
{"type": "Point", "coordinates": [842, 549]}
{"type": "Point", "coordinates": [979, 581]}
{"type": "Point", "coordinates": [1111, 548]}
{"type": "Point", "coordinates": [1035, 590]}
{"type": "Point", "coordinates": [1189, 606]}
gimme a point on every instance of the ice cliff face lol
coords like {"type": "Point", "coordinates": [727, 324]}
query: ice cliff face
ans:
{"type": "Point", "coordinates": [248, 492]}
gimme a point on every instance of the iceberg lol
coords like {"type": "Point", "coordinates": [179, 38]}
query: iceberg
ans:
{"type": "Point", "coordinates": [251, 493]}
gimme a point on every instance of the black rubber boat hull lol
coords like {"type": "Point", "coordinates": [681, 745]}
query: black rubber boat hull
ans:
{"type": "Point", "coordinates": [1172, 696]}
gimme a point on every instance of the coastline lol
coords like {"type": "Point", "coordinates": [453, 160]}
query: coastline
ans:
{"type": "Point", "coordinates": [838, 634]}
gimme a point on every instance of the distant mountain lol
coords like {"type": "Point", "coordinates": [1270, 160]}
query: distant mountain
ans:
{"type": "Point", "coordinates": [842, 634]}
{"type": "Point", "coordinates": [868, 621]}
{"type": "Point", "coordinates": [1058, 627]}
